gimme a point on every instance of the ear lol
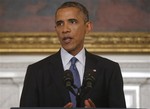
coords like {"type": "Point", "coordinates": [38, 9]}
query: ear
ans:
{"type": "Point", "coordinates": [89, 26]}
{"type": "Point", "coordinates": [55, 29]}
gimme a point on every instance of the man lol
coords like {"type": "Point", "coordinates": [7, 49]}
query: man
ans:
{"type": "Point", "coordinates": [44, 86]}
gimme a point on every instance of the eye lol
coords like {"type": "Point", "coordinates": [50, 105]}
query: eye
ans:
{"type": "Point", "coordinates": [73, 21]}
{"type": "Point", "coordinates": [59, 23]}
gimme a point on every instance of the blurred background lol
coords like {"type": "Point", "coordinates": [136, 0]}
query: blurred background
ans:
{"type": "Point", "coordinates": [121, 33]}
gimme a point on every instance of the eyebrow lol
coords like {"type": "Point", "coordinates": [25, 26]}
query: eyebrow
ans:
{"type": "Point", "coordinates": [59, 21]}
{"type": "Point", "coordinates": [72, 19]}
{"type": "Point", "coordinates": [67, 20]}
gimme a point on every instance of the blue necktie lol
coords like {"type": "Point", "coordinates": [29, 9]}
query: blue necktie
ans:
{"type": "Point", "coordinates": [76, 77]}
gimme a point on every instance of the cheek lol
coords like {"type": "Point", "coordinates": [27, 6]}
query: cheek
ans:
{"type": "Point", "coordinates": [80, 38]}
{"type": "Point", "coordinates": [58, 33]}
{"type": "Point", "coordinates": [58, 30]}
{"type": "Point", "coordinates": [81, 33]}
{"type": "Point", "coordinates": [59, 38]}
{"type": "Point", "coordinates": [79, 30]}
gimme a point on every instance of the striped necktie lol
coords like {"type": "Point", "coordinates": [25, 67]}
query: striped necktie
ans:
{"type": "Point", "coordinates": [76, 77]}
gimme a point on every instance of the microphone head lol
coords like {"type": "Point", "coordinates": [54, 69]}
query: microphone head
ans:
{"type": "Point", "coordinates": [68, 81]}
{"type": "Point", "coordinates": [90, 79]}
{"type": "Point", "coordinates": [68, 78]}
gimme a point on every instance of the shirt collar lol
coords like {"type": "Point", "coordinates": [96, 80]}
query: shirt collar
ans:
{"type": "Point", "coordinates": [65, 56]}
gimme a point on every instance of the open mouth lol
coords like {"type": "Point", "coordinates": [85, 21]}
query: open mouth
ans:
{"type": "Point", "coordinates": [67, 40]}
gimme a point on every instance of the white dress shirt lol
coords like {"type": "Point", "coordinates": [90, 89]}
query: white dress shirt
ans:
{"type": "Point", "coordinates": [80, 64]}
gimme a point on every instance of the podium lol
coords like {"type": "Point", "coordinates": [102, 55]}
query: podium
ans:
{"type": "Point", "coordinates": [66, 108]}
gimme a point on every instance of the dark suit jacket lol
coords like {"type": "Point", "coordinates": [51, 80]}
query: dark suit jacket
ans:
{"type": "Point", "coordinates": [44, 87]}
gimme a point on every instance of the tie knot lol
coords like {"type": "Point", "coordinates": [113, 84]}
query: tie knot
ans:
{"type": "Point", "coordinates": [73, 60]}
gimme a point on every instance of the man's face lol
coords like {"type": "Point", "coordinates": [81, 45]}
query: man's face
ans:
{"type": "Point", "coordinates": [71, 29]}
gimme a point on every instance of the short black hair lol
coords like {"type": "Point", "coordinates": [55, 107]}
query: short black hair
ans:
{"type": "Point", "coordinates": [76, 5]}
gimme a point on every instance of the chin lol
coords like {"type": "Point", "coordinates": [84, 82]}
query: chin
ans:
{"type": "Point", "coordinates": [69, 50]}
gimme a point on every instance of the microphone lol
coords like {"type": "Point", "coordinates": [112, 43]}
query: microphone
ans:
{"type": "Point", "coordinates": [84, 90]}
{"type": "Point", "coordinates": [89, 80]}
{"type": "Point", "coordinates": [69, 82]}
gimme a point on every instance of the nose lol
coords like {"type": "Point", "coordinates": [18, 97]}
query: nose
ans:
{"type": "Point", "coordinates": [66, 28]}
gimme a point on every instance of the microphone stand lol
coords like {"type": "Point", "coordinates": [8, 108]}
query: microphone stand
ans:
{"type": "Point", "coordinates": [77, 95]}
{"type": "Point", "coordinates": [78, 98]}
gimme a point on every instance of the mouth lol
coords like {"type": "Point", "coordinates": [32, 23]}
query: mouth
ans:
{"type": "Point", "coordinates": [67, 39]}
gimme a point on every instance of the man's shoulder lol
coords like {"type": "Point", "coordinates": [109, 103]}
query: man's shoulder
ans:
{"type": "Point", "coordinates": [101, 60]}
{"type": "Point", "coordinates": [47, 60]}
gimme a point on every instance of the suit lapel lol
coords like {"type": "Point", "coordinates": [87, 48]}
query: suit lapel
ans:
{"type": "Point", "coordinates": [58, 77]}
{"type": "Point", "coordinates": [91, 63]}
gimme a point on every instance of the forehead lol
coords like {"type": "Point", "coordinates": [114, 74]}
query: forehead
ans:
{"type": "Point", "coordinates": [69, 12]}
